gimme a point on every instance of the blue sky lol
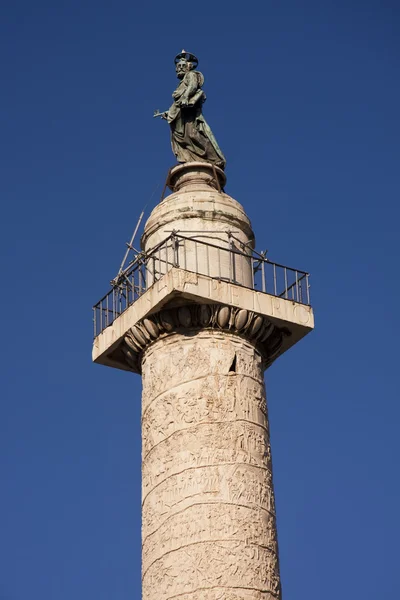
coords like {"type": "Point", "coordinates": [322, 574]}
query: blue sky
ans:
{"type": "Point", "coordinates": [304, 99]}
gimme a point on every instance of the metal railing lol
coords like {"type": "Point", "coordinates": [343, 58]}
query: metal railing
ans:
{"type": "Point", "coordinates": [229, 261]}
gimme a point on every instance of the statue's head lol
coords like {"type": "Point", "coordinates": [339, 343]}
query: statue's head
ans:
{"type": "Point", "coordinates": [184, 62]}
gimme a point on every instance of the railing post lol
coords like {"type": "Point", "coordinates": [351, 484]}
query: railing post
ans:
{"type": "Point", "coordinates": [286, 290]}
{"type": "Point", "coordinates": [175, 243]}
{"type": "Point", "coordinates": [263, 281]}
{"type": "Point", "coordinates": [275, 280]}
{"type": "Point", "coordinates": [94, 322]}
{"type": "Point", "coordinates": [297, 288]}
{"type": "Point", "coordinates": [234, 278]}
{"type": "Point", "coordinates": [232, 260]}
{"type": "Point", "coordinates": [159, 264]}
{"type": "Point", "coordinates": [167, 255]}
{"type": "Point", "coordinates": [140, 276]}
{"type": "Point", "coordinates": [308, 290]}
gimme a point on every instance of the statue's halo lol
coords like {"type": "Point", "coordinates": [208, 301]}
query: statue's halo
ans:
{"type": "Point", "coordinates": [188, 56]}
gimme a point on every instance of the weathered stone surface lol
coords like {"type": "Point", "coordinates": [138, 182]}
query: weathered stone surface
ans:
{"type": "Point", "coordinates": [201, 213]}
{"type": "Point", "coordinates": [208, 526]}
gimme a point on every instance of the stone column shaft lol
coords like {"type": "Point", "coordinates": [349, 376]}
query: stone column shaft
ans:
{"type": "Point", "coordinates": [209, 528]}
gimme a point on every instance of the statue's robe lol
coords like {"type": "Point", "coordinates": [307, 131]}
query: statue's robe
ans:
{"type": "Point", "coordinates": [191, 137]}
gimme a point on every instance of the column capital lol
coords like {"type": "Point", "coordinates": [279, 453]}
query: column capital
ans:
{"type": "Point", "coordinates": [193, 317]}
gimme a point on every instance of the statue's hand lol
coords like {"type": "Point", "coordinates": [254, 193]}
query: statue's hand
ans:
{"type": "Point", "coordinates": [163, 115]}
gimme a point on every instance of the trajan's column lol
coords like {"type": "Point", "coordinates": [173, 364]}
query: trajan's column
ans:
{"type": "Point", "coordinates": [200, 315]}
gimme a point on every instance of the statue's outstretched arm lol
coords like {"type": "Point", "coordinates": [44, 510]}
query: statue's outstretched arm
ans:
{"type": "Point", "coordinates": [163, 115]}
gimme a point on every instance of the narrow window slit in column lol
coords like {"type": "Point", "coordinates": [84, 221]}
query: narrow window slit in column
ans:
{"type": "Point", "coordinates": [232, 368]}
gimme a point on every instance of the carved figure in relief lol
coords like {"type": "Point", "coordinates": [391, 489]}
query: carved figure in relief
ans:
{"type": "Point", "coordinates": [249, 446]}
{"type": "Point", "coordinates": [225, 564]}
{"type": "Point", "coordinates": [215, 398]}
{"type": "Point", "coordinates": [208, 522]}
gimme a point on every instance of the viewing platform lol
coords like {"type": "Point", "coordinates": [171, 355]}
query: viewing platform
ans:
{"type": "Point", "coordinates": [200, 270]}
{"type": "Point", "coordinates": [222, 263]}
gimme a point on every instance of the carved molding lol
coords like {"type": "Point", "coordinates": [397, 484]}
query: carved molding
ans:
{"type": "Point", "coordinates": [191, 317]}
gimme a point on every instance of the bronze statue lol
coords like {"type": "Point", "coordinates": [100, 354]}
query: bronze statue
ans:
{"type": "Point", "coordinates": [191, 137]}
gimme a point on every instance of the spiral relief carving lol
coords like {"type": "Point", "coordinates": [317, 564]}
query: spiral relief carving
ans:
{"type": "Point", "coordinates": [208, 508]}
{"type": "Point", "coordinates": [254, 327]}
